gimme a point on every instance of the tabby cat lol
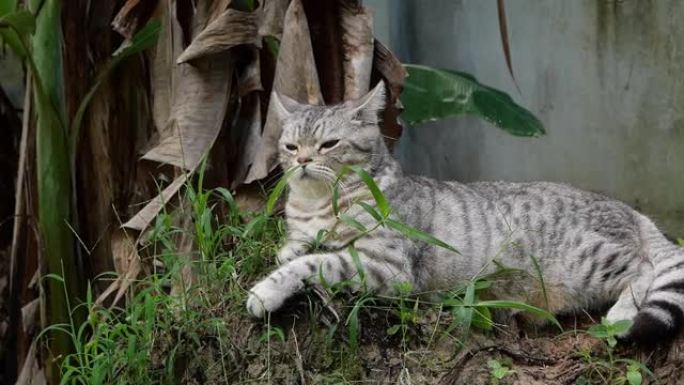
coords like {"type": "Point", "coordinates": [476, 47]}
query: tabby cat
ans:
{"type": "Point", "coordinates": [592, 250]}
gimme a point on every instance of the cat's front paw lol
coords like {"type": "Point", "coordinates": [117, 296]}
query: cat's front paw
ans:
{"type": "Point", "coordinates": [287, 254]}
{"type": "Point", "coordinates": [264, 297]}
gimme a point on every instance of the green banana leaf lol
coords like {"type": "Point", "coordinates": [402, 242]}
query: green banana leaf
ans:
{"type": "Point", "coordinates": [432, 94]}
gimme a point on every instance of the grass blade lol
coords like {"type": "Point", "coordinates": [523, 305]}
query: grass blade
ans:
{"type": "Point", "coordinates": [418, 235]}
{"type": "Point", "coordinates": [504, 304]}
{"type": "Point", "coordinates": [379, 197]}
{"type": "Point", "coordinates": [278, 191]}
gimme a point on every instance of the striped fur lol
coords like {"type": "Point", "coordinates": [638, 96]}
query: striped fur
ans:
{"type": "Point", "coordinates": [592, 250]}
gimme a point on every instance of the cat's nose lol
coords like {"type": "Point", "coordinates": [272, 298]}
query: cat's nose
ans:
{"type": "Point", "coordinates": [304, 159]}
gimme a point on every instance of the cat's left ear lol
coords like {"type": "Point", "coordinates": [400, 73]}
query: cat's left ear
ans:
{"type": "Point", "coordinates": [283, 105]}
{"type": "Point", "coordinates": [370, 105]}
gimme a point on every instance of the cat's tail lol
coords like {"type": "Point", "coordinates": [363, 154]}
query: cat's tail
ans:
{"type": "Point", "coordinates": [661, 313]}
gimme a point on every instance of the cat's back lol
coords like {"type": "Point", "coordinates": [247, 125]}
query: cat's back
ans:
{"type": "Point", "coordinates": [497, 190]}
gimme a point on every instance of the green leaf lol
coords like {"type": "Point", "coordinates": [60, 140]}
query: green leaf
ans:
{"type": "Point", "coordinates": [7, 6]}
{"type": "Point", "coordinates": [482, 319]}
{"type": "Point", "coordinates": [464, 314]}
{"type": "Point", "coordinates": [500, 372]}
{"type": "Point", "coordinates": [371, 210]}
{"type": "Point", "coordinates": [379, 197]}
{"type": "Point", "coordinates": [254, 226]}
{"type": "Point", "coordinates": [271, 332]}
{"type": "Point", "coordinates": [359, 266]}
{"type": "Point", "coordinates": [432, 94]}
{"type": "Point", "coordinates": [352, 222]}
{"type": "Point", "coordinates": [10, 37]}
{"type": "Point", "coordinates": [142, 40]}
{"type": "Point", "coordinates": [598, 331]}
{"type": "Point", "coordinates": [393, 330]}
{"type": "Point", "coordinates": [228, 198]}
{"type": "Point", "coordinates": [336, 198]}
{"type": "Point", "coordinates": [619, 327]}
{"type": "Point", "coordinates": [634, 375]}
{"type": "Point", "coordinates": [21, 21]}
{"type": "Point", "coordinates": [418, 235]}
{"type": "Point", "coordinates": [493, 364]}
{"type": "Point", "coordinates": [272, 44]}
{"type": "Point", "coordinates": [278, 191]}
{"type": "Point", "coordinates": [53, 172]}
{"type": "Point", "coordinates": [352, 322]}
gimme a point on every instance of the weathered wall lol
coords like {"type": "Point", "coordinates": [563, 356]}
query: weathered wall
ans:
{"type": "Point", "coordinates": [605, 76]}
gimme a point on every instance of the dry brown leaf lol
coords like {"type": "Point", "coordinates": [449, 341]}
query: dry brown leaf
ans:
{"type": "Point", "coordinates": [231, 28]}
{"type": "Point", "coordinates": [356, 23]}
{"type": "Point", "coordinates": [391, 69]}
{"type": "Point", "coordinates": [191, 101]}
{"type": "Point", "coordinates": [204, 12]}
{"type": "Point", "coordinates": [250, 77]}
{"type": "Point", "coordinates": [163, 70]}
{"type": "Point", "coordinates": [295, 76]}
{"type": "Point", "coordinates": [127, 264]}
{"type": "Point", "coordinates": [144, 217]}
{"type": "Point", "coordinates": [33, 283]}
{"type": "Point", "coordinates": [248, 128]}
{"type": "Point", "coordinates": [273, 16]}
{"type": "Point", "coordinates": [31, 373]}
{"type": "Point", "coordinates": [200, 104]}
{"type": "Point", "coordinates": [388, 67]}
{"type": "Point", "coordinates": [132, 16]}
{"type": "Point", "coordinates": [29, 315]}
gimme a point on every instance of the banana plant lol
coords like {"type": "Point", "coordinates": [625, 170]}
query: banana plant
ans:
{"type": "Point", "coordinates": [35, 36]}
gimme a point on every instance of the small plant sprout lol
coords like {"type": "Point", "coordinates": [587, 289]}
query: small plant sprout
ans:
{"type": "Point", "coordinates": [610, 369]}
{"type": "Point", "coordinates": [498, 371]}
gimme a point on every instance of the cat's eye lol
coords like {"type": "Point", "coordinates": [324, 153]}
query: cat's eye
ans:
{"type": "Point", "coordinates": [329, 144]}
{"type": "Point", "coordinates": [291, 147]}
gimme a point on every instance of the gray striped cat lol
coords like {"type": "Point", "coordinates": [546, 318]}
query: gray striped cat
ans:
{"type": "Point", "coordinates": [592, 250]}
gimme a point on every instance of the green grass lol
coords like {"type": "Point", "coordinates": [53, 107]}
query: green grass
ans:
{"type": "Point", "coordinates": [171, 330]}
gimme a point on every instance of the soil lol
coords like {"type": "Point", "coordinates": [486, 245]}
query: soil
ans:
{"type": "Point", "coordinates": [314, 350]}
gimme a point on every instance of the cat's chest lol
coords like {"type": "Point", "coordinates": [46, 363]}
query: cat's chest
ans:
{"type": "Point", "coordinates": [318, 223]}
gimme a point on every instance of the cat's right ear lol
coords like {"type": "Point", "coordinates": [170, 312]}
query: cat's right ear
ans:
{"type": "Point", "coordinates": [283, 105]}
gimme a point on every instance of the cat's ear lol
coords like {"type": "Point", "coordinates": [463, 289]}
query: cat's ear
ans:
{"type": "Point", "coordinates": [370, 105]}
{"type": "Point", "coordinates": [283, 105]}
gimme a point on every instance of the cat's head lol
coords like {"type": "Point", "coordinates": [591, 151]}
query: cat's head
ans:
{"type": "Point", "coordinates": [320, 140]}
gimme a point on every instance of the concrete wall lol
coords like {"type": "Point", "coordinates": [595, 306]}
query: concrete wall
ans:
{"type": "Point", "coordinates": [605, 76]}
